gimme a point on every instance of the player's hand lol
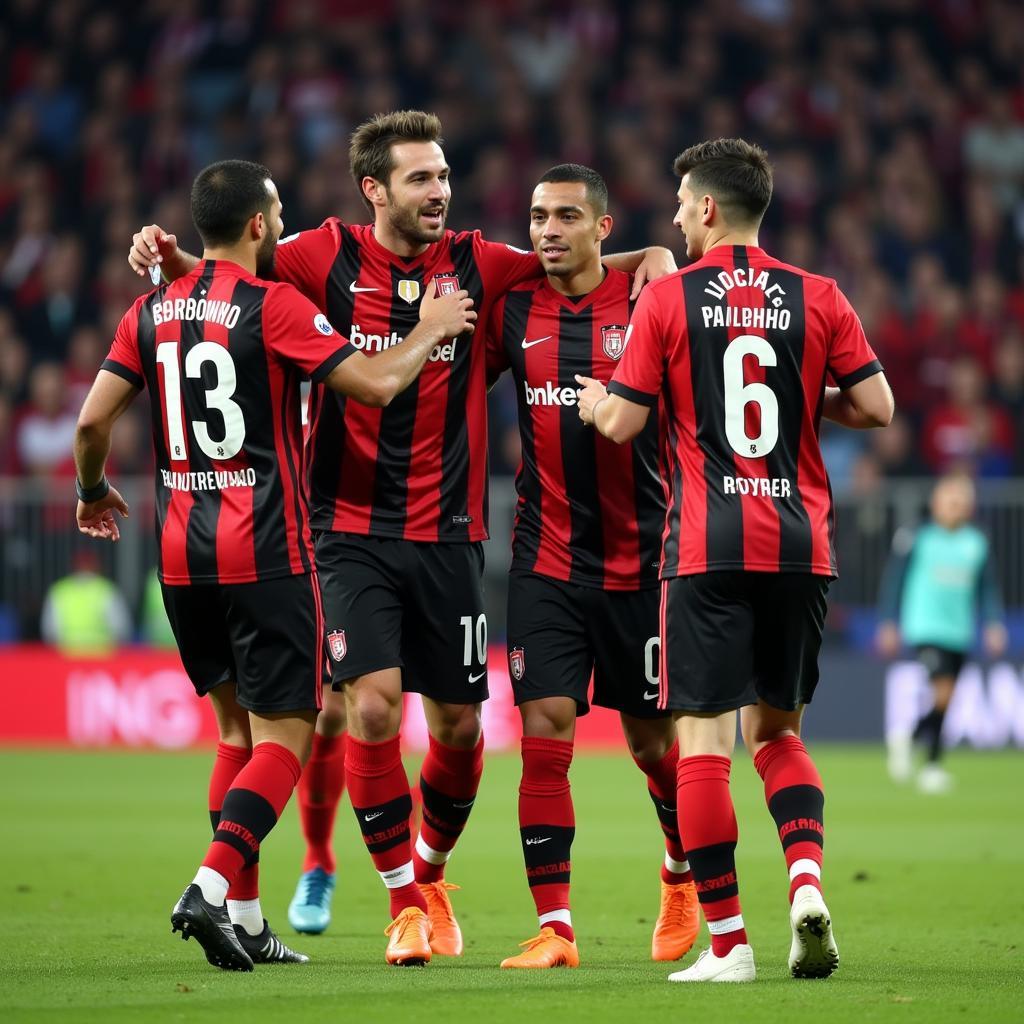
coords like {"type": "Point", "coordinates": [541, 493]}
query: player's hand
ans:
{"type": "Point", "coordinates": [451, 314]}
{"type": "Point", "coordinates": [658, 262]}
{"type": "Point", "coordinates": [590, 393]}
{"type": "Point", "coordinates": [995, 639]}
{"type": "Point", "coordinates": [150, 247]}
{"type": "Point", "coordinates": [888, 640]}
{"type": "Point", "coordinates": [96, 518]}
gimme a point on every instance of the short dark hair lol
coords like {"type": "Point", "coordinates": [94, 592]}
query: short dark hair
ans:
{"type": "Point", "coordinates": [736, 172]}
{"type": "Point", "coordinates": [225, 196]}
{"type": "Point", "coordinates": [369, 151]}
{"type": "Point", "coordinates": [597, 190]}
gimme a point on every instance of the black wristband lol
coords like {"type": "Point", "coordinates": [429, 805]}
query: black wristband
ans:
{"type": "Point", "coordinates": [91, 494]}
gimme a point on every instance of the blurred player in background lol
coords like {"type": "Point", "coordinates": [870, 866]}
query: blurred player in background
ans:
{"type": "Point", "coordinates": [939, 581]}
{"type": "Point", "coordinates": [738, 346]}
{"type": "Point", "coordinates": [398, 500]}
{"type": "Point", "coordinates": [222, 353]}
{"type": "Point", "coordinates": [583, 591]}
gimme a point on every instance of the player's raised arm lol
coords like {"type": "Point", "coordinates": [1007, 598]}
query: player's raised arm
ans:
{"type": "Point", "coordinates": [376, 381]}
{"type": "Point", "coordinates": [154, 247]}
{"type": "Point", "coordinates": [644, 264]}
{"type": "Point", "coordinates": [108, 398]}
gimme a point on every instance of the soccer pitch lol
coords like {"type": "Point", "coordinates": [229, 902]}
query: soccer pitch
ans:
{"type": "Point", "coordinates": [925, 892]}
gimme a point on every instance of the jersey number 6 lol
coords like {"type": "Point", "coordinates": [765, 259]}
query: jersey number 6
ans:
{"type": "Point", "coordinates": [739, 395]}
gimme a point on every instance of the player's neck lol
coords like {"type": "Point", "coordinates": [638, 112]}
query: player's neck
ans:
{"type": "Point", "coordinates": [245, 258]}
{"type": "Point", "coordinates": [730, 236]}
{"type": "Point", "coordinates": [395, 242]}
{"type": "Point", "coordinates": [584, 281]}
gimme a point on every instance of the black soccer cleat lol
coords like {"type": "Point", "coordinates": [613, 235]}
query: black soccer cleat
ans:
{"type": "Point", "coordinates": [267, 948]}
{"type": "Point", "coordinates": [212, 928]}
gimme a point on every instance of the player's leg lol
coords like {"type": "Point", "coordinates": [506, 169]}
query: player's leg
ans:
{"type": "Point", "coordinates": [549, 664]}
{"type": "Point", "coordinates": [276, 640]}
{"type": "Point", "coordinates": [943, 667]}
{"type": "Point", "coordinates": [706, 673]}
{"type": "Point", "coordinates": [444, 649]}
{"type": "Point", "coordinates": [789, 623]}
{"type": "Point", "coordinates": [623, 630]}
{"type": "Point", "coordinates": [362, 583]}
{"type": "Point", "coordinates": [318, 795]}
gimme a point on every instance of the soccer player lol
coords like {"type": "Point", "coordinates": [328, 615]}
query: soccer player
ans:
{"type": "Point", "coordinates": [223, 353]}
{"type": "Point", "coordinates": [938, 582]}
{"type": "Point", "coordinates": [739, 346]}
{"type": "Point", "coordinates": [399, 505]}
{"type": "Point", "coordinates": [583, 592]}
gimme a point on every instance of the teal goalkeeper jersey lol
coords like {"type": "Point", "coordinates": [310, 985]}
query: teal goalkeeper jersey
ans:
{"type": "Point", "coordinates": [937, 585]}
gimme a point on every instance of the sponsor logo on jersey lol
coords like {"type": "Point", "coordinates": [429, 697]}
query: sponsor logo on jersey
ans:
{"type": "Point", "coordinates": [613, 340]}
{"type": "Point", "coordinates": [549, 394]}
{"type": "Point", "coordinates": [409, 290]}
{"type": "Point", "coordinates": [446, 284]}
{"type": "Point", "coordinates": [517, 663]}
{"type": "Point", "coordinates": [322, 324]}
{"type": "Point", "coordinates": [365, 342]}
{"type": "Point", "coordinates": [337, 644]}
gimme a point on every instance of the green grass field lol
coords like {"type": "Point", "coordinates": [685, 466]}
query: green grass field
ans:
{"type": "Point", "coordinates": [926, 894]}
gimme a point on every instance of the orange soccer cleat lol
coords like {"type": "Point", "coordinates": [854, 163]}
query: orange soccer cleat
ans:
{"type": "Point", "coordinates": [446, 936]}
{"type": "Point", "coordinates": [408, 939]}
{"type": "Point", "coordinates": [545, 950]}
{"type": "Point", "coordinates": [678, 922]}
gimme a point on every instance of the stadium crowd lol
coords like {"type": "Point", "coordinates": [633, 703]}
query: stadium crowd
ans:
{"type": "Point", "coordinates": [896, 128]}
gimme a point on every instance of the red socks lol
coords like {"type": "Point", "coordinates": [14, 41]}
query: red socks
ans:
{"type": "Point", "coordinates": [661, 784]}
{"type": "Point", "coordinates": [318, 795]}
{"type": "Point", "coordinates": [449, 781]}
{"type": "Point", "coordinates": [379, 791]}
{"type": "Point", "coordinates": [251, 807]}
{"type": "Point", "coordinates": [227, 763]}
{"type": "Point", "coordinates": [707, 823]}
{"type": "Point", "coordinates": [547, 827]}
{"type": "Point", "coordinates": [793, 792]}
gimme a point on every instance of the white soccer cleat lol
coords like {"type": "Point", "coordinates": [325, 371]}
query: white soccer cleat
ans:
{"type": "Point", "coordinates": [934, 779]}
{"type": "Point", "coordinates": [900, 747]}
{"type": "Point", "coordinates": [814, 953]}
{"type": "Point", "coordinates": [736, 965]}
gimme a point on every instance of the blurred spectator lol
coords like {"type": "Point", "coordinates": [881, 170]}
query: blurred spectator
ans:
{"type": "Point", "coordinates": [968, 431]}
{"type": "Point", "coordinates": [45, 427]}
{"type": "Point", "coordinates": [994, 148]}
{"type": "Point", "coordinates": [84, 613]}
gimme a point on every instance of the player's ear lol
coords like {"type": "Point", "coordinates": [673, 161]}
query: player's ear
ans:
{"type": "Point", "coordinates": [374, 191]}
{"type": "Point", "coordinates": [257, 226]}
{"type": "Point", "coordinates": [604, 227]}
{"type": "Point", "coordinates": [710, 206]}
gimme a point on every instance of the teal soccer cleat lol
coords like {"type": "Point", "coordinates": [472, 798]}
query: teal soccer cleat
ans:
{"type": "Point", "coordinates": [310, 909]}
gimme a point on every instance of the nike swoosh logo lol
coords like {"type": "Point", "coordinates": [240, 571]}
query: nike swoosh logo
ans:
{"type": "Point", "coordinates": [537, 842]}
{"type": "Point", "coordinates": [650, 696]}
{"type": "Point", "coordinates": [353, 287]}
{"type": "Point", "coordinates": [478, 677]}
{"type": "Point", "coordinates": [536, 341]}
{"type": "Point", "coordinates": [462, 807]}
{"type": "Point", "coordinates": [370, 817]}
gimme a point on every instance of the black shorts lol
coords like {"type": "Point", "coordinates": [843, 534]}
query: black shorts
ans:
{"type": "Point", "coordinates": [941, 661]}
{"type": "Point", "coordinates": [406, 604]}
{"type": "Point", "coordinates": [266, 637]}
{"type": "Point", "coordinates": [732, 638]}
{"type": "Point", "coordinates": [559, 634]}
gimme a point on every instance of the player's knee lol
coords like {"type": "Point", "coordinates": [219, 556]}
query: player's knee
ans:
{"type": "Point", "coordinates": [650, 748]}
{"type": "Point", "coordinates": [546, 720]}
{"type": "Point", "coordinates": [459, 728]}
{"type": "Point", "coordinates": [332, 719]}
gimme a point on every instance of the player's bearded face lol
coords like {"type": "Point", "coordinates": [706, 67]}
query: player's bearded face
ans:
{"type": "Point", "coordinates": [274, 228]}
{"type": "Point", "coordinates": [417, 219]}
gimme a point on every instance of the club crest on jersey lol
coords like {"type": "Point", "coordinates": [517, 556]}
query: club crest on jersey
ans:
{"type": "Point", "coordinates": [613, 340]}
{"type": "Point", "coordinates": [517, 663]}
{"type": "Point", "coordinates": [336, 643]}
{"type": "Point", "coordinates": [446, 284]}
{"type": "Point", "coordinates": [408, 290]}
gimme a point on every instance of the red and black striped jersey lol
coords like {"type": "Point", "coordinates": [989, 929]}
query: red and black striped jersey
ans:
{"type": "Point", "coordinates": [589, 511]}
{"type": "Point", "coordinates": [417, 469]}
{"type": "Point", "coordinates": [223, 355]}
{"type": "Point", "coordinates": [740, 346]}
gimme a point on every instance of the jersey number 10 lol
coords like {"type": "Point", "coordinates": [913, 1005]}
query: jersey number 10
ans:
{"type": "Point", "coordinates": [739, 395]}
{"type": "Point", "coordinates": [217, 397]}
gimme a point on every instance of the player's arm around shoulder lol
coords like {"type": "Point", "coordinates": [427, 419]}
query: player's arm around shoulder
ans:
{"type": "Point", "coordinates": [155, 252]}
{"type": "Point", "coordinates": [376, 381]}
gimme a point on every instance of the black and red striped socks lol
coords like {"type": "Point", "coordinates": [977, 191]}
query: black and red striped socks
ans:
{"type": "Point", "coordinates": [547, 827]}
{"type": "Point", "coordinates": [379, 790]}
{"type": "Point", "coordinates": [661, 785]}
{"type": "Point", "coordinates": [449, 780]}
